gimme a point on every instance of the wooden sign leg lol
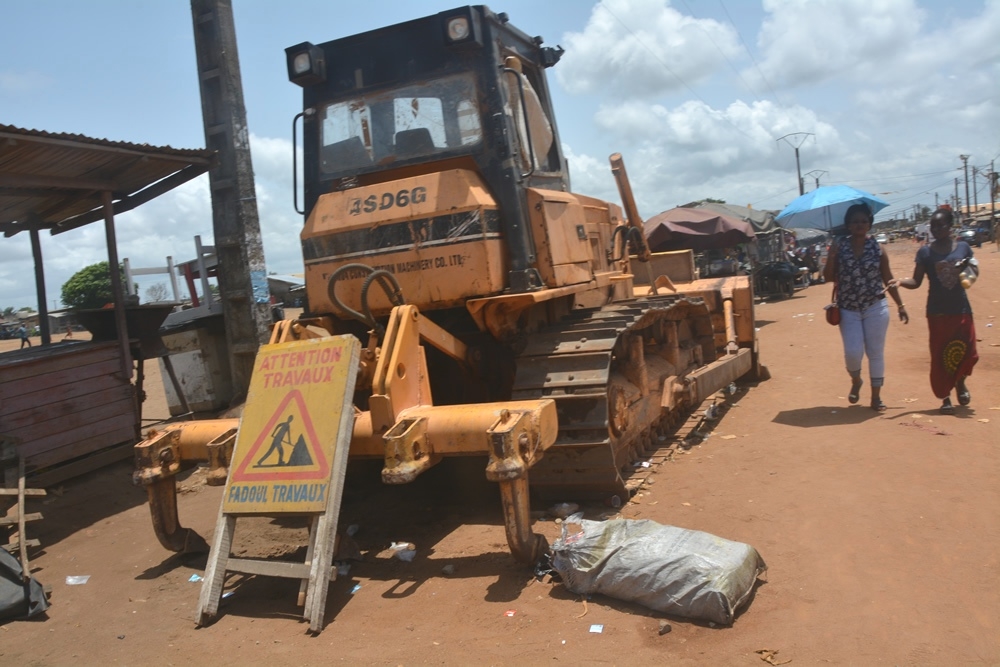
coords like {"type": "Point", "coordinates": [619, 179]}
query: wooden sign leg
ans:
{"type": "Point", "coordinates": [310, 550]}
{"type": "Point", "coordinates": [319, 573]}
{"type": "Point", "coordinates": [215, 571]}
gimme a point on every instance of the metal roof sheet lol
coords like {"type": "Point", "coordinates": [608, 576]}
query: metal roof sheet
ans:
{"type": "Point", "coordinates": [55, 181]}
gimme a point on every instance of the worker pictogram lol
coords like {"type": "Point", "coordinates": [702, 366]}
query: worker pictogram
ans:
{"type": "Point", "coordinates": [280, 438]}
{"type": "Point", "coordinates": [287, 448]}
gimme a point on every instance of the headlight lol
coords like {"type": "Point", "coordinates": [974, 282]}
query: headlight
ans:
{"type": "Point", "coordinates": [302, 63]}
{"type": "Point", "coordinates": [458, 29]}
{"type": "Point", "coordinates": [306, 64]}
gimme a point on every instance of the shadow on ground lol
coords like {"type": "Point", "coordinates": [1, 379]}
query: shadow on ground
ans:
{"type": "Point", "coordinates": [825, 415]}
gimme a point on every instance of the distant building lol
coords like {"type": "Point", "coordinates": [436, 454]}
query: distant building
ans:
{"type": "Point", "coordinates": [281, 286]}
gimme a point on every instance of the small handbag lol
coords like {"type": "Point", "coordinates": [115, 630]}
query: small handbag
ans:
{"type": "Point", "coordinates": [832, 310]}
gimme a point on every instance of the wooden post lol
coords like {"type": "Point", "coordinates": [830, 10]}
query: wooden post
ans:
{"type": "Point", "coordinates": [43, 308]}
{"type": "Point", "coordinates": [116, 284]}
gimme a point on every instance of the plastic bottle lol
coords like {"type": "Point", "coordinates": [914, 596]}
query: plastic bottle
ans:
{"type": "Point", "coordinates": [968, 271]}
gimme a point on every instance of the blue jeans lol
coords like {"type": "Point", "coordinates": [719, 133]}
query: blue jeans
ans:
{"type": "Point", "coordinates": [864, 333]}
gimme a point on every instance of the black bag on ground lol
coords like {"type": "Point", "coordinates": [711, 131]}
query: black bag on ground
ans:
{"type": "Point", "coordinates": [18, 598]}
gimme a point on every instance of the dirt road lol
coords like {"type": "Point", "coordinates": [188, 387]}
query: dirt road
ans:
{"type": "Point", "coordinates": [881, 533]}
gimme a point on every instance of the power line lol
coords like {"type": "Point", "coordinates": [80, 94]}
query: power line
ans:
{"type": "Point", "coordinates": [890, 178]}
{"type": "Point", "coordinates": [755, 204]}
{"type": "Point", "coordinates": [724, 56]}
{"type": "Point", "coordinates": [747, 49]}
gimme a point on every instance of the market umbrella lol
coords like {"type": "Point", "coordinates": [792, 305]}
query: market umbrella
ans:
{"type": "Point", "coordinates": [695, 229]}
{"type": "Point", "coordinates": [824, 207]}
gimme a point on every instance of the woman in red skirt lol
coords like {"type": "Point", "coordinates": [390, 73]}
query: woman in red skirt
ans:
{"type": "Point", "coordinates": [949, 315]}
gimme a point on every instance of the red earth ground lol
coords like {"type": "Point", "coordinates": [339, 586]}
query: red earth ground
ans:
{"type": "Point", "coordinates": [881, 533]}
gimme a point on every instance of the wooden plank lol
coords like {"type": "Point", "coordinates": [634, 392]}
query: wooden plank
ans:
{"type": "Point", "coordinates": [215, 570]}
{"type": "Point", "coordinates": [60, 473]}
{"type": "Point", "coordinates": [47, 380]}
{"type": "Point", "coordinates": [15, 545]}
{"type": "Point", "coordinates": [55, 361]}
{"type": "Point", "coordinates": [20, 519]}
{"type": "Point", "coordinates": [61, 410]}
{"type": "Point", "coordinates": [268, 568]}
{"type": "Point", "coordinates": [55, 352]}
{"type": "Point", "coordinates": [34, 435]}
{"type": "Point", "coordinates": [72, 449]}
{"type": "Point", "coordinates": [27, 492]}
{"type": "Point", "coordinates": [23, 518]}
{"type": "Point", "coordinates": [326, 529]}
{"type": "Point", "coordinates": [310, 551]}
{"type": "Point", "coordinates": [60, 393]}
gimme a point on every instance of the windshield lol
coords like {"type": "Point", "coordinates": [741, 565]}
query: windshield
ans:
{"type": "Point", "coordinates": [404, 123]}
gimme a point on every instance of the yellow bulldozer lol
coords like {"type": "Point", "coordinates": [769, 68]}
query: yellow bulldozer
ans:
{"type": "Point", "coordinates": [500, 314]}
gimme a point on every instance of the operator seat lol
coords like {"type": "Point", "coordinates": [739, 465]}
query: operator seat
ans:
{"type": "Point", "coordinates": [410, 143]}
{"type": "Point", "coordinates": [346, 154]}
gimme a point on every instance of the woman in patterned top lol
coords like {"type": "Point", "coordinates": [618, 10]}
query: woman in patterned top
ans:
{"type": "Point", "coordinates": [949, 314]}
{"type": "Point", "coordinates": [861, 271]}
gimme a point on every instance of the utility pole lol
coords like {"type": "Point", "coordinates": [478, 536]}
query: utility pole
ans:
{"type": "Point", "coordinates": [958, 208]}
{"type": "Point", "coordinates": [965, 163]}
{"type": "Point", "coordinates": [993, 199]}
{"type": "Point", "coordinates": [816, 173]}
{"type": "Point", "coordinates": [242, 273]}
{"type": "Point", "coordinates": [975, 195]}
{"type": "Point", "coordinates": [798, 168]}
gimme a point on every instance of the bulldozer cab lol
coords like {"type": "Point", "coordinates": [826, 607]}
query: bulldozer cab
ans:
{"type": "Point", "coordinates": [462, 89]}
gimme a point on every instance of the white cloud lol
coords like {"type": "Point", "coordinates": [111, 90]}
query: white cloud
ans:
{"type": "Point", "coordinates": [694, 138]}
{"type": "Point", "coordinates": [643, 48]}
{"type": "Point", "coordinates": [809, 43]}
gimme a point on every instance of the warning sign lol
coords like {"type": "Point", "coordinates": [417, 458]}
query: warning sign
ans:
{"type": "Point", "coordinates": [296, 407]}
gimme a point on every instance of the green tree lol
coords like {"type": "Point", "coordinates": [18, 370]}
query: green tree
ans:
{"type": "Point", "coordinates": [90, 287]}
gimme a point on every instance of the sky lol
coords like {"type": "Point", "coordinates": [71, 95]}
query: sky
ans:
{"type": "Point", "coordinates": [883, 95]}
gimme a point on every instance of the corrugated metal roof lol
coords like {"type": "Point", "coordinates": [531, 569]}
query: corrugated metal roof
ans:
{"type": "Point", "coordinates": [55, 181]}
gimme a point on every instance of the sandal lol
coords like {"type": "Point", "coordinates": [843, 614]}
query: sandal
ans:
{"type": "Point", "coordinates": [964, 397]}
{"type": "Point", "coordinates": [879, 406]}
{"type": "Point", "coordinates": [947, 408]}
{"type": "Point", "coordinates": [855, 394]}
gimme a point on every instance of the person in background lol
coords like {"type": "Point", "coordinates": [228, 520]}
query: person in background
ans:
{"type": "Point", "coordinates": [22, 333]}
{"type": "Point", "coordinates": [812, 263]}
{"type": "Point", "coordinates": [861, 271]}
{"type": "Point", "coordinates": [949, 314]}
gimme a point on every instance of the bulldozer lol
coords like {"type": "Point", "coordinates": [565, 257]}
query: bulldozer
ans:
{"type": "Point", "coordinates": [499, 312]}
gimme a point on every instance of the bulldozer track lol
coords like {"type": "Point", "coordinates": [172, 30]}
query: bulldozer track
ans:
{"type": "Point", "coordinates": [574, 363]}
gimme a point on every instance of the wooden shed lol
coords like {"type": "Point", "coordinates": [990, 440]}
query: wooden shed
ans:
{"type": "Point", "coordinates": [72, 406]}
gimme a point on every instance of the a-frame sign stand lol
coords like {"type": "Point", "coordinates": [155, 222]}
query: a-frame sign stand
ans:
{"type": "Point", "coordinates": [290, 457]}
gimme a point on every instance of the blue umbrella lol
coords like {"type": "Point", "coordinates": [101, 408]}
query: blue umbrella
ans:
{"type": "Point", "coordinates": [824, 207]}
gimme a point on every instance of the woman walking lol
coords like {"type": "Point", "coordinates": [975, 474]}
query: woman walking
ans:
{"type": "Point", "coordinates": [949, 314]}
{"type": "Point", "coordinates": [861, 271]}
